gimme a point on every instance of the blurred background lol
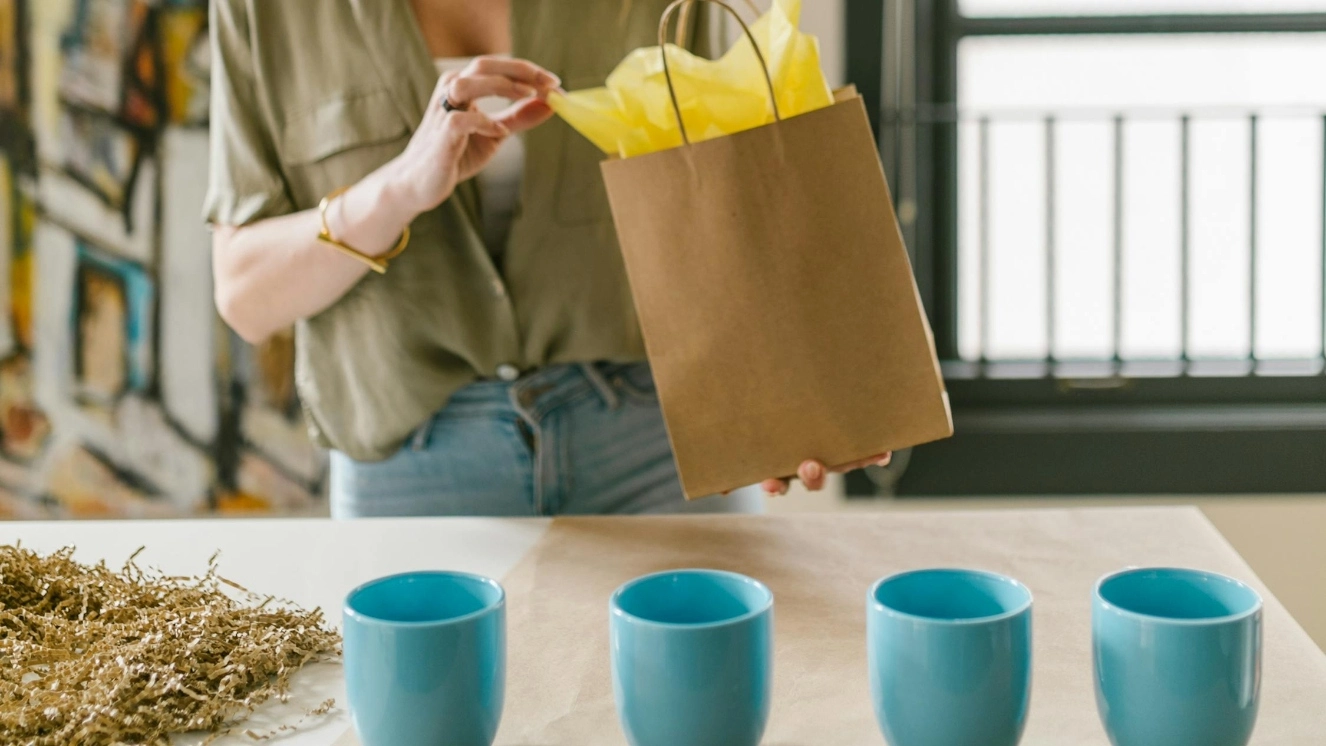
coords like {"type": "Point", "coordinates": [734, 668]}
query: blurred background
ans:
{"type": "Point", "coordinates": [121, 394]}
{"type": "Point", "coordinates": [1116, 211]}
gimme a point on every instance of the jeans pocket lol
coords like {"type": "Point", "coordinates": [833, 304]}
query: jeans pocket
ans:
{"type": "Point", "coordinates": [636, 382]}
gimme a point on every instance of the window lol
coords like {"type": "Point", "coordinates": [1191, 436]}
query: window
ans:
{"type": "Point", "coordinates": [1117, 210]}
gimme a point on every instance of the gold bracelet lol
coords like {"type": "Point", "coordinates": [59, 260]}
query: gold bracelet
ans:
{"type": "Point", "coordinates": [376, 263]}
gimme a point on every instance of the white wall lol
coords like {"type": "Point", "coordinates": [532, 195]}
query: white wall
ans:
{"type": "Point", "coordinates": [824, 19]}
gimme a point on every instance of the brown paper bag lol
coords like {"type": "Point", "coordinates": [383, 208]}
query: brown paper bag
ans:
{"type": "Point", "coordinates": [777, 300]}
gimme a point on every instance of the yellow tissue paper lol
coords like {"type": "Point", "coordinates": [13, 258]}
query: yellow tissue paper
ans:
{"type": "Point", "coordinates": [633, 113]}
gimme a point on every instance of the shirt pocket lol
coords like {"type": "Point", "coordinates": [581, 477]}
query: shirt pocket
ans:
{"type": "Point", "coordinates": [339, 141]}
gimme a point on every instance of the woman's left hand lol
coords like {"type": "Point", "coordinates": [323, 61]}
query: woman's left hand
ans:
{"type": "Point", "coordinates": [812, 473]}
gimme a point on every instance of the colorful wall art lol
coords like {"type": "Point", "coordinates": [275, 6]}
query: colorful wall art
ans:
{"type": "Point", "coordinates": [121, 392]}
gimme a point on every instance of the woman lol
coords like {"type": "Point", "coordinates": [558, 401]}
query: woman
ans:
{"type": "Point", "coordinates": [495, 366]}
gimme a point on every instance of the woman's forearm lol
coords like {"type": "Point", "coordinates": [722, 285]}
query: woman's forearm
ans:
{"type": "Point", "coordinates": [275, 272]}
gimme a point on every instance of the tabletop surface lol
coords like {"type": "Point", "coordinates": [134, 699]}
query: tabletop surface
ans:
{"type": "Point", "coordinates": [313, 562]}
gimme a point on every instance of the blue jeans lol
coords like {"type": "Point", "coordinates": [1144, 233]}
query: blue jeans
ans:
{"type": "Point", "coordinates": [568, 439]}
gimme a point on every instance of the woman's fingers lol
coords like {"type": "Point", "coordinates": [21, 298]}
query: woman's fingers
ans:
{"type": "Point", "coordinates": [466, 89]}
{"type": "Point", "coordinates": [441, 89]}
{"type": "Point", "coordinates": [812, 473]}
{"type": "Point", "coordinates": [881, 459]}
{"type": "Point", "coordinates": [461, 124]}
{"type": "Point", "coordinates": [524, 115]}
{"type": "Point", "coordinates": [522, 71]}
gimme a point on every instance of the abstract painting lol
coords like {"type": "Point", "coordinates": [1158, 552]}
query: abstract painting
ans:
{"type": "Point", "coordinates": [85, 484]}
{"type": "Point", "coordinates": [113, 335]}
{"type": "Point", "coordinates": [24, 219]}
{"type": "Point", "coordinates": [121, 392]}
{"type": "Point", "coordinates": [99, 153]}
{"type": "Point", "coordinates": [97, 48]}
{"type": "Point", "coordinates": [187, 61]}
{"type": "Point", "coordinates": [10, 39]}
{"type": "Point", "coordinates": [8, 237]}
{"type": "Point", "coordinates": [23, 426]}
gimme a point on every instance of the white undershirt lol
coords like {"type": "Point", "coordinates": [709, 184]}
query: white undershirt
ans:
{"type": "Point", "coordinates": [499, 181]}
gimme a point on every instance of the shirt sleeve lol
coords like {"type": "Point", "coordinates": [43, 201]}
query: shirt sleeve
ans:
{"type": "Point", "coordinates": [245, 182]}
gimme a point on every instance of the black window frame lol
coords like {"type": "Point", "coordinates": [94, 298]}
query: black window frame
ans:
{"type": "Point", "coordinates": [1200, 431]}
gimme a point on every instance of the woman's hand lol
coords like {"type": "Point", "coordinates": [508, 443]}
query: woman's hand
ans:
{"type": "Point", "coordinates": [812, 473]}
{"type": "Point", "coordinates": [452, 146]}
{"type": "Point", "coordinates": [271, 273]}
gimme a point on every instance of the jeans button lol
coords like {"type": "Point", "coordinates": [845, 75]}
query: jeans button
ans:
{"type": "Point", "coordinates": [508, 372]}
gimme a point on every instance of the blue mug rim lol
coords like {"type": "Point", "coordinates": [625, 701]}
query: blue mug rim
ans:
{"type": "Point", "coordinates": [1253, 610]}
{"type": "Point", "coordinates": [350, 612]}
{"type": "Point", "coordinates": [618, 611]}
{"type": "Point", "coordinates": [874, 603]}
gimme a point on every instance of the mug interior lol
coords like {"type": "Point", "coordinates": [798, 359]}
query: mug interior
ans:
{"type": "Point", "coordinates": [1173, 593]}
{"type": "Point", "coordinates": [952, 595]}
{"type": "Point", "coordinates": [424, 597]}
{"type": "Point", "coordinates": [692, 597]}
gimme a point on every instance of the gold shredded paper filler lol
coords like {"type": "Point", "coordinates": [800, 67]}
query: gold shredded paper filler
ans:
{"type": "Point", "coordinates": [92, 656]}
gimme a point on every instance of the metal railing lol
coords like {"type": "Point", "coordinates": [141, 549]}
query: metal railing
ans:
{"type": "Point", "coordinates": [915, 126]}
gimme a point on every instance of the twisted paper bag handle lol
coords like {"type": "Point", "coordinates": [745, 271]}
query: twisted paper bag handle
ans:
{"type": "Point", "coordinates": [663, 50]}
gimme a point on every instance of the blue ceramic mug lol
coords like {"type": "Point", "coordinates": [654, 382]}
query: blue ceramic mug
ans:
{"type": "Point", "coordinates": [1177, 657]}
{"type": "Point", "coordinates": [425, 659]}
{"type": "Point", "coordinates": [692, 658]}
{"type": "Point", "coordinates": [949, 653]}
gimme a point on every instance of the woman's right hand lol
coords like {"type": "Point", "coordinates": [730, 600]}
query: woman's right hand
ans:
{"type": "Point", "coordinates": [451, 146]}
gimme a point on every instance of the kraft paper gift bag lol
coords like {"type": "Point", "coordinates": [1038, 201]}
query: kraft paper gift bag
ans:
{"type": "Point", "coordinates": [776, 297]}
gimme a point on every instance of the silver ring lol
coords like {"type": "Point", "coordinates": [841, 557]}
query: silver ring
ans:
{"type": "Point", "coordinates": [448, 106]}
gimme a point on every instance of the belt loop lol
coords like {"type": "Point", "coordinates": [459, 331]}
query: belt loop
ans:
{"type": "Point", "coordinates": [523, 401]}
{"type": "Point", "coordinates": [600, 384]}
{"type": "Point", "coordinates": [423, 435]}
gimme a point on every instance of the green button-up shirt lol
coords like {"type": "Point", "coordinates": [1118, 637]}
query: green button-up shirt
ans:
{"type": "Point", "coordinates": [311, 95]}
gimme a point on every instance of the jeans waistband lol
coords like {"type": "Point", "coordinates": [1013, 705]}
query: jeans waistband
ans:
{"type": "Point", "coordinates": [535, 395]}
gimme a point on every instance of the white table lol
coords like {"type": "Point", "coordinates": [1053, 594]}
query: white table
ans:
{"type": "Point", "coordinates": [312, 562]}
{"type": "Point", "coordinates": [315, 562]}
